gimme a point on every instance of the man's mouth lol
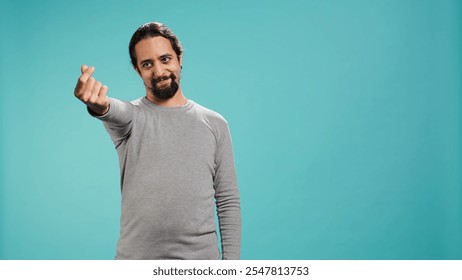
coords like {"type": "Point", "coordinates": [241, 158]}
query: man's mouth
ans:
{"type": "Point", "coordinates": [163, 83]}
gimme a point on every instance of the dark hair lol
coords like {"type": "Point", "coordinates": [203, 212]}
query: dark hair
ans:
{"type": "Point", "coordinates": [153, 29]}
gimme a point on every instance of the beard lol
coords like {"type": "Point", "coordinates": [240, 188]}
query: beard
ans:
{"type": "Point", "coordinates": [164, 92]}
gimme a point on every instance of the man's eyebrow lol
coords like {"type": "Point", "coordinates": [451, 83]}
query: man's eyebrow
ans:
{"type": "Point", "coordinates": [146, 60]}
{"type": "Point", "coordinates": [165, 55]}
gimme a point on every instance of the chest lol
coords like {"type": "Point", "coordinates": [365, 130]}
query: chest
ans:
{"type": "Point", "coordinates": [182, 139]}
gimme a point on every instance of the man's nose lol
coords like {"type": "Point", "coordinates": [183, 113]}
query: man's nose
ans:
{"type": "Point", "coordinates": [158, 70]}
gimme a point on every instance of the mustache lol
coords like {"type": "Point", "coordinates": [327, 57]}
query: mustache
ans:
{"type": "Point", "coordinates": [163, 78]}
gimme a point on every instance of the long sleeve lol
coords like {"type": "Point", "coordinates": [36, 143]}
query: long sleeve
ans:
{"type": "Point", "coordinates": [227, 197]}
{"type": "Point", "coordinates": [118, 120]}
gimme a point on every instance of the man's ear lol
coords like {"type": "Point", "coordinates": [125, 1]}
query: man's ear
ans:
{"type": "Point", "coordinates": [180, 59]}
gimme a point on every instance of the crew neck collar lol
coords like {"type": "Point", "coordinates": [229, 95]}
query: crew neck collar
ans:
{"type": "Point", "coordinates": [189, 104]}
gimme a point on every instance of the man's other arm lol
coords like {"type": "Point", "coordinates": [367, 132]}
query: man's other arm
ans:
{"type": "Point", "coordinates": [227, 197]}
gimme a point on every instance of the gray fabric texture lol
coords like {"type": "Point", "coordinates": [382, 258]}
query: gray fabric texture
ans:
{"type": "Point", "coordinates": [176, 165]}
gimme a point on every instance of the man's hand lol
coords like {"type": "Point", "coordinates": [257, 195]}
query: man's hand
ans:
{"type": "Point", "coordinates": [91, 92]}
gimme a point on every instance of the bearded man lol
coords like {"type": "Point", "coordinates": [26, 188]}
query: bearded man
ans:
{"type": "Point", "coordinates": [176, 159]}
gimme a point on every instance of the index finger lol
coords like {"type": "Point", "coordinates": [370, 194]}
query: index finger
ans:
{"type": "Point", "coordinates": [84, 77]}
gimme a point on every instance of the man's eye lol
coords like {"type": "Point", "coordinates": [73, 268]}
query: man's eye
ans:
{"type": "Point", "coordinates": [146, 64]}
{"type": "Point", "coordinates": [165, 59]}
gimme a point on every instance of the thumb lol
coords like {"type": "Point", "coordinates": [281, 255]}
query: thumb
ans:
{"type": "Point", "coordinates": [83, 68]}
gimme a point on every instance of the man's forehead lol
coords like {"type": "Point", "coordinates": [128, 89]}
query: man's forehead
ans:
{"type": "Point", "coordinates": [156, 46]}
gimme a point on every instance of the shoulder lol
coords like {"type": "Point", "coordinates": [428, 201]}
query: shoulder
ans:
{"type": "Point", "coordinates": [213, 120]}
{"type": "Point", "coordinates": [140, 108]}
{"type": "Point", "coordinates": [209, 115]}
{"type": "Point", "coordinates": [137, 102]}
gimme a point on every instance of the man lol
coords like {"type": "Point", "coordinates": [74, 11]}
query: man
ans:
{"type": "Point", "coordinates": [176, 159]}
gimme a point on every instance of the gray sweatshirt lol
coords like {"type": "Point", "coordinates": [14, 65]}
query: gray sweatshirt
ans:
{"type": "Point", "coordinates": [176, 164]}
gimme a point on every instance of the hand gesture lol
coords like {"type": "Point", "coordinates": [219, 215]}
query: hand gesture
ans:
{"type": "Point", "coordinates": [91, 92]}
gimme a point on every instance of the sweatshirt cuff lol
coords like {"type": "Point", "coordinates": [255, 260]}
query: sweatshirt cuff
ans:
{"type": "Point", "coordinates": [104, 116]}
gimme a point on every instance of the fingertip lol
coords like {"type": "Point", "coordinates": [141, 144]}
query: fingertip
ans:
{"type": "Point", "coordinates": [83, 68]}
{"type": "Point", "coordinates": [89, 69]}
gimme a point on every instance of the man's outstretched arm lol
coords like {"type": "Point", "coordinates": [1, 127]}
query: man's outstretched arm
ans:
{"type": "Point", "coordinates": [117, 115]}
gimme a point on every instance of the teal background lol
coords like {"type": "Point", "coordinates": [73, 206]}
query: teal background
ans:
{"type": "Point", "coordinates": [345, 118]}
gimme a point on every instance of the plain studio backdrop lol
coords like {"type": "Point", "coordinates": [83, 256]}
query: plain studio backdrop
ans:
{"type": "Point", "coordinates": [345, 118]}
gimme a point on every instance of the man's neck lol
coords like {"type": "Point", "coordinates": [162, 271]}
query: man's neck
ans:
{"type": "Point", "coordinates": [176, 101]}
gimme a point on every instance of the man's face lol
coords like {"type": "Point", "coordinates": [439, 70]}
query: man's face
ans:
{"type": "Point", "coordinates": [158, 66]}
